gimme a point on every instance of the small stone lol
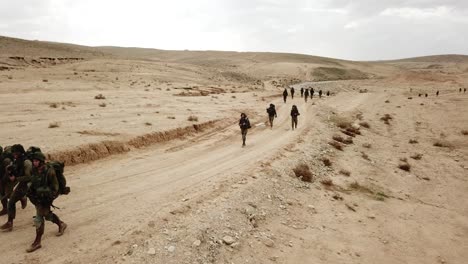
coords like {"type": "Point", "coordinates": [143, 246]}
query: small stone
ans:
{"type": "Point", "coordinates": [268, 242]}
{"type": "Point", "coordinates": [151, 251]}
{"type": "Point", "coordinates": [197, 243]}
{"type": "Point", "coordinates": [171, 249]}
{"type": "Point", "coordinates": [228, 240]}
{"type": "Point", "coordinates": [371, 216]}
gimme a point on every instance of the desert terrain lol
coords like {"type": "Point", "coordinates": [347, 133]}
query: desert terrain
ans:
{"type": "Point", "coordinates": [377, 172]}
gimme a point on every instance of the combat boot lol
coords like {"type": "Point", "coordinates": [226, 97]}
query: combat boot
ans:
{"type": "Point", "coordinates": [24, 202]}
{"type": "Point", "coordinates": [37, 242]}
{"type": "Point", "coordinates": [61, 225]}
{"type": "Point", "coordinates": [8, 226]}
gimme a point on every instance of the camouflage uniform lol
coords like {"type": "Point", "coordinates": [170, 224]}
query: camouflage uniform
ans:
{"type": "Point", "coordinates": [44, 189]}
{"type": "Point", "coordinates": [21, 169]}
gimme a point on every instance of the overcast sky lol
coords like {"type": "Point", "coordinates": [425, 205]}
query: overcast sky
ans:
{"type": "Point", "coordinates": [347, 29]}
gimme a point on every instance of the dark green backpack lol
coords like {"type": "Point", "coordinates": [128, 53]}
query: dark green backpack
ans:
{"type": "Point", "coordinates": [62, 181]}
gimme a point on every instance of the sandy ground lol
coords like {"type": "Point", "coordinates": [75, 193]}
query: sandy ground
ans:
{"type": "Point", "coordinates": [199, 197]}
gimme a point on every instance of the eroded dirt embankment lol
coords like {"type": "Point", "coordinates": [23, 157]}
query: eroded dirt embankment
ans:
{"type": "Point", "coordinates": [95, 151]}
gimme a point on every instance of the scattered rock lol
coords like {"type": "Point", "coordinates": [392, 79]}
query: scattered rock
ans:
{"type": "Point", "coordinates": [197, 243]}
{"type": "Point", "coordinates": [171, 249]}
{"type": "Point", "coordinates": [228, 240]}
{"type": "Point", "coordinates": [269, 242]}
{"type": "Point", "coordinates": [151, 251]}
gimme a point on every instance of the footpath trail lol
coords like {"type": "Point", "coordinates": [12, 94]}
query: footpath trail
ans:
{"type": "Point", "coordinates": [112, 197]}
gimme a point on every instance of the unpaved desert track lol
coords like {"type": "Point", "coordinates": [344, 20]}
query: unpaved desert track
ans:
{"type": "Point", "coordinates": [112, 197]}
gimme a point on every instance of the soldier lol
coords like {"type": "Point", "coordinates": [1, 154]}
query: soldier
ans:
{"type": "Point", "coordinates": [464, 90]}
{"type": "Point", "coordinates": [19, 172]}
{"type": "Point", "coordinates": [271, 114]}
{"type": "Point", "coordinates": [312, 91]}
{"type": "Point", "coordinates": [306, 95]}
{"type": "Point", "coordinates": [43, 191]}
{"type": "Point", "coordinates": [320, 94]}
{"type": "Point", "coordinates": [437, 93]}
{"type": "Point", "coordinates": [302, 92]}
{"type": "Point", "coordinates": [285, 94]}
{"type": "Point", "coordinates": [426, 95]}
{"type": "Point", "coordinates": [244, 125]}
{"type": "Point", "coordinates": [292, 92]}
{"type": "Point", "coordinates": [328, 93]}
{"type": "Point", "coordinates": [5, 160]}
{"type": "Point", "coordinates": [294, 114]}
{"type": "Point", "coordinates": [459, 90]}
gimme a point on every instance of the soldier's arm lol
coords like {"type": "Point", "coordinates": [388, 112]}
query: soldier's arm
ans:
{"type": "Point", "coordinates": [27, 172]}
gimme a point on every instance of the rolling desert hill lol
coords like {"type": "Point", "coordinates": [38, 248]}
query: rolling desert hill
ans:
{"type": "Point", "coordinates": [374, 172]}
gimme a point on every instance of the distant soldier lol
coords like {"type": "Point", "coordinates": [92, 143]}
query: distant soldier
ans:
{"type": "Point", "coordinates": [459, 90]}
{"type": "Point", "coordinates": [302, 92]}
{"type": "Point", "coordinates": [464, 90]}
{"type": "Point", "coordinates": [271, 114]}
{"type": "Point", "coordinates": [320, 94]}
{"type": "Point", "coordinates": [306, 95]}
{"type": "Point", "coordinates": [437, 93]}
{"type": "Point", "coordinates": [292, 92]}
{"type": "Point", "coordinates": [312, 91]}
{"type": "Point", "coordinates": [328, 93]}
{"type": "Point", "coordinates": [43, 191]}
{"type": "Point", "coordinates": [426, 95]}
{"type": "Point", "coordinates": [294, 114]}
{"type": "Point", "coordinates": [244, 125]}
{"type": "Point", "coordinates": [18, 172]}
{"type": "Point", "coordinates": [285, 94]}
{"type": "Point", "coordinates": [419, 95]}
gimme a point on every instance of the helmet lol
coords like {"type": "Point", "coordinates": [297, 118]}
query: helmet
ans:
{"type": "Point", "coordinates": [38, 156]}
{"type": "Point", "coordinates": [17, 148]}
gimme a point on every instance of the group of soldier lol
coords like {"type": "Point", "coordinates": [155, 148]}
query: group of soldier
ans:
{"type": "Point", "coordinates": [26, 175]}
{"type": "Point", "coordinates": [305, 93]}
{"type": "Point", "coordinates": [244, 122]}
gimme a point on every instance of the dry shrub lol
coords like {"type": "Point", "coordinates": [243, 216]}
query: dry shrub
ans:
{"type": "Point", "coordinates": [405, 167]}
{"type": "Point", "coordinates": [416, 156]}
{"type": "Point", "coordinates": [353, 130]}
{"type": "Point", "coordinates": [171, 117]}
{"type": "Point", "coordinates": [53, 105]}
{"type": "Point", "coordinates": [336, 145]}
{"type": "Point", "coordinates": [103, 105]}
{"type": "Point", "coordinates": [364, 156]}
{"type": "Point", "coordinates": [338, 138]}
{"type": "Point", "coordinates": [360, 188]}
{"type": "Point", "coordinates": [348, 133]}
{"type": "Point", "coordinates": [341, 122]}
{"type": "Point", "coordinates": [54, 125]}
{"type": "Point", "coordinates": [327, 182]}
{"type": "Point", "coordinates": [348, 141]}
{"type": "Point", "coordinates": [387, 101]}
{"type": "Point", "coordinates": [192, 118]}
{"type": "Point", "coordinates": [386, 118]}
{"type": "Point", "coordinates": [148, 124]}
{"type": "Point", "coordinates": [464, 132]}
{"type": "Point", "coordinates": [303, 172]}
{"type": "Point", "coordinates": [413, 141]}
{"type": "Point", "coordinates": [442, 144]}
{"type": "Point", "coordinates": [364, 124]}
{"type": "Point", "coordinates": [233, 97]}
{"type": "Point", "coordinates": [345, 173]}
{"type": "Point", "coordinates": [45, 80]}
{"type": "Point", "coordinates": [99, 97]}
{"type": "Point", "coordinates": [367, 145]}
{"type": "Point", "coordinates": [327, 162]}
{"type": "Point", "coordinates": [363, 91]}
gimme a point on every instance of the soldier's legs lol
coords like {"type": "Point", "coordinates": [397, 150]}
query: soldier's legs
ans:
{"type": "Point", "coordinates": [244, 136]}
{"type": "Point", "coordinates": [271, 118]}
{"type": "Point", "coordinates": [19, 194]}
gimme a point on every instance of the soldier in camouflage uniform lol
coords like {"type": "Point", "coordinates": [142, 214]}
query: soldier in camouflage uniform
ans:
{"type": "Point", "coordinates": [44, 189]}
{"type": "Point", "coordinates": [19, 174]}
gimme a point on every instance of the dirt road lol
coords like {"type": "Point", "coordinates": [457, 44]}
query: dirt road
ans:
{"type": "Point", "coordinates": [110, 198]}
